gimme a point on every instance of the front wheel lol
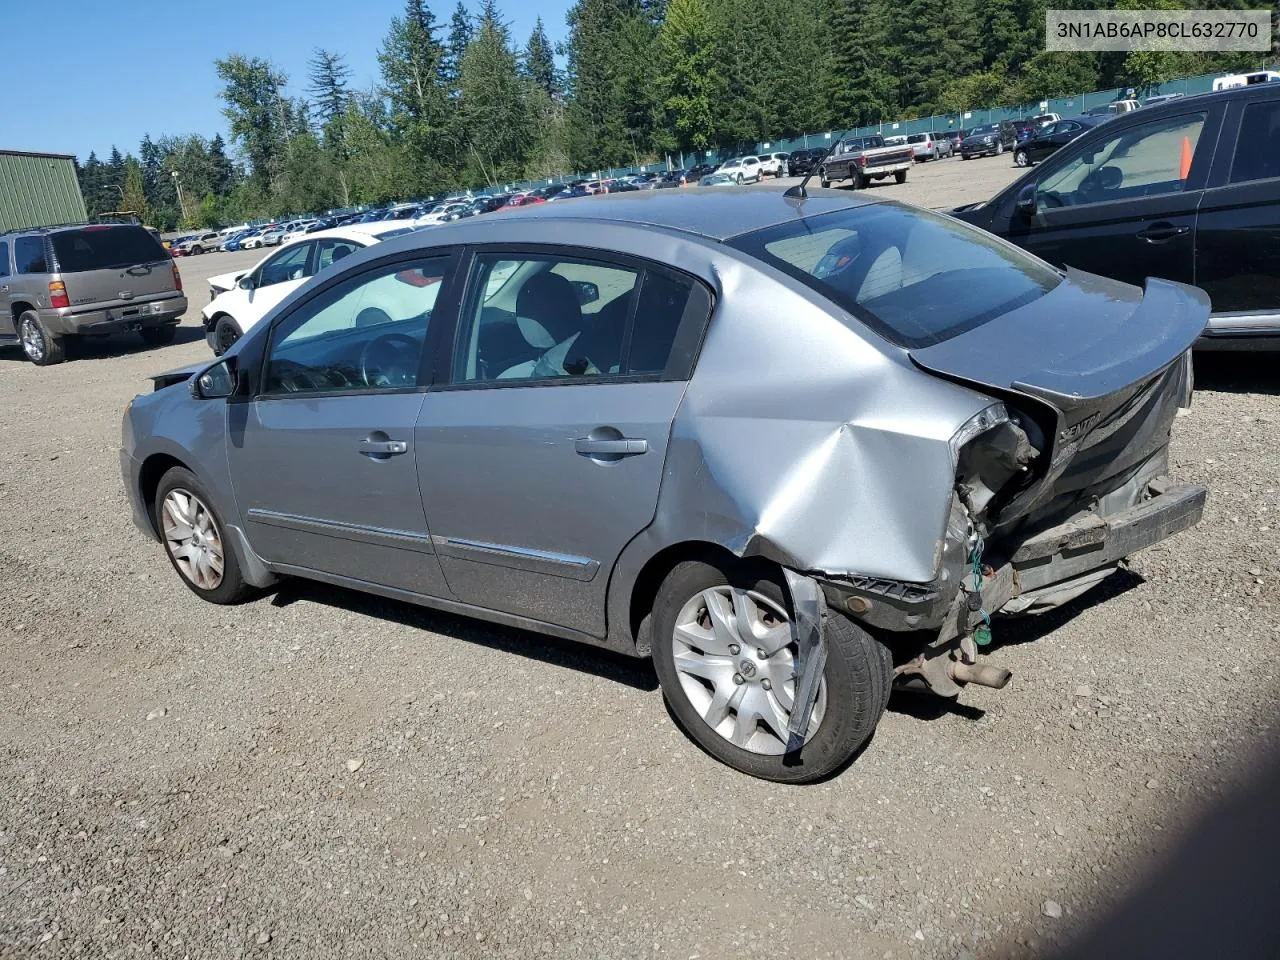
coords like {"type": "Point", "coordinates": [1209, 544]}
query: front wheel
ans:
{"type": "Point", "coordinates": [41, 347]}
{"type": "Point", "coordinates": [1020, 159]}
{"type": "Point", "coordinates": [725, 656]}
{"type": "Point", "coordinates": [739, 179]}
{"type": "Point", "coordinates": [225, 332]}
{"type": "Point", "coordinates": [822, 178]}
{"type": "Point", "coordinates": [192, 533]}
{"type": "Point", "coordinates": [999, 147]}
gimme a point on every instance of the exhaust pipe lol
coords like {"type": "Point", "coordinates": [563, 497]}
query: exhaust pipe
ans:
{"type": "Point", "coordinates": [982, 674]}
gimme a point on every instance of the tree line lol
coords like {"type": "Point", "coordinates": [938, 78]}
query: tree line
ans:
{"type": "Point", "coordinates": [461, 105]}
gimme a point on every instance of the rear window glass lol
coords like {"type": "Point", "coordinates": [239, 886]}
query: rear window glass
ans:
{"type": "Point", "coordinates": [915, 277]}
{"type": "Point", "coordinates": [916, 138]}
{"type": "Point", "coordinates": [105, 248]}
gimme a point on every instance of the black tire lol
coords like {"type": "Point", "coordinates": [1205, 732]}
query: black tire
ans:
{"type": "Point", "coordinates": [859, 181]}
{"type": "Point", "coordinates": [46, 348]}
{"type": "Point", "coordinates": [999, 147]}
{"type": "Point", "coordinates": [858, 676]}
{"type": "Point", "coordinates": [900, 176]}
{"type": "Point", "coordinates": [225, 332]}
{"type": "Point", "coordinates": [1021, 159]}
{"type": "Point", "coordinates": [739, 179]}
{"type": "Point", "coordinates": [232, 587]}
{"type": "Point", "coordinates": [964, 156]}
{"type": "Point", "coordinates": [822, 178]}
{"type": "Point", "coordinates": [159, 336]}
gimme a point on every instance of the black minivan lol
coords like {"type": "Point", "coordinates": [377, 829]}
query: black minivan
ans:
{"type": "Point", "coordinates": [1188, 190]}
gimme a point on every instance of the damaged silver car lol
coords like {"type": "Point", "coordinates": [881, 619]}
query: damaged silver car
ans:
{"type": "Point", "coordinates": [795, 449]}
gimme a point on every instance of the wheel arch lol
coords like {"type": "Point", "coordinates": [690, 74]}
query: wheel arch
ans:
{"type": "Point", "coordinates": [150, 473]}
{"type": "Point", "coordinates": [18, 308]}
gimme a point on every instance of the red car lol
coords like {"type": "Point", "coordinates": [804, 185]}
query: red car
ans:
{"type": "Point", "coordinates": [525, 199]}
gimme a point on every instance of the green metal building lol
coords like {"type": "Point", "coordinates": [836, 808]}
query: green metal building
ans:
{"type": "Point", "coordinates": [38, 188]}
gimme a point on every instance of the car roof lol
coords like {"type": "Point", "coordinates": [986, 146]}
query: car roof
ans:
{"type": "Point", "coordinates": [714, 214]}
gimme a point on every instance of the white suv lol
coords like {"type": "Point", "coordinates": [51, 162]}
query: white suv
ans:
{"type": "Point", "coordinates": [774, 164]}
{"type": "Point", "coordinates": [744, 169]}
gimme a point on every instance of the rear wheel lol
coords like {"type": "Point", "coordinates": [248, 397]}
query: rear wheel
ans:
{"type": "Point", "coordinates": [725, 655]}
{"type": "Point", "coordinates": [1020, 159]}
{"type": "Point", "coordinates": [41, 346]}
{"type": "Point", "coordinates": [900, 176]}
{"type": "Point", "coordinates": [859, 181]}
{"type": "Point", "coordinates": [159, 336]}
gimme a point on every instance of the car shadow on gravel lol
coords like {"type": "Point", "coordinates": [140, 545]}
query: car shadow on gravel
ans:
{"type": "Point", "coordinates": [116, 345]}
{"type": "Point", "coordinates": [1237, 372]}
{"type": "Point", "coordinates": [606, 664]}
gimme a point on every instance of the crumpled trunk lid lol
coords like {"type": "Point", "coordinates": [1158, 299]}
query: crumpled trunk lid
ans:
{"type": "Point", "coordinates": [1107, 365]}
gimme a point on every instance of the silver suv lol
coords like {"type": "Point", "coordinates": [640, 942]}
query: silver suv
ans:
{"type": "Point", "coordinates": [85, 280]}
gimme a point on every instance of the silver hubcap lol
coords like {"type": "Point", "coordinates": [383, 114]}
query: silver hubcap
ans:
{"type": "Point", "coordinates": [735, 658]}
{"type": "Point", "coordinates": [32, 339]}
{"type": "Point", "coordinates": [192, 539]}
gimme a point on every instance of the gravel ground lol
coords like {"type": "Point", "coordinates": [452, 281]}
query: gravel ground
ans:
{"type": "Point", "coordinates": [322, 774]}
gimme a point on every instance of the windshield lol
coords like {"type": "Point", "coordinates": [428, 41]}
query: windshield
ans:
{"type": "Point", "coordinates": [915, 277]}
{"type": "Point", "coordinates": [105, 248]}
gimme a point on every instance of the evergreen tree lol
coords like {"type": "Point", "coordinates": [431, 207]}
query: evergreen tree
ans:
{"type": "Point", "coordinates": [461, 32]}
{"type": "Point", "coordinates": [691, 82]}
{"type": "Point", "coordinates": [222, 174]}
{"type": "Point", "coordinates": [412, 61]}
{"type": "Point", "coordinates": [328, 85]}
{"type": "Point", "coordinates": [491, 104]}
{"type": "Point", "coordinates": [539, 64]}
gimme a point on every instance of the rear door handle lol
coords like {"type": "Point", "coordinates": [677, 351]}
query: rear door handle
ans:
{"type": "Point", "coordinates": [383, 448]}
{"type": "Point", "coordinates": [626, 447]}
{"type": "Point", "coordinates": [1160, 232]}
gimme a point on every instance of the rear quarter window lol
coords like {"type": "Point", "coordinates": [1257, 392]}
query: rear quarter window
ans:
{"type": "Point", "coordinates": [105, 248]}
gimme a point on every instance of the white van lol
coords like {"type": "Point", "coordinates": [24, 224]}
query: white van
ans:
{"type": "Point", "coordinates": [1232, 80]}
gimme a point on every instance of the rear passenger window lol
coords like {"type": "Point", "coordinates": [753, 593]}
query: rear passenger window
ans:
{"type": "Point", "coordinates": [547, 319]}
{"type": "Point", "coordinates": [1258, 147]}
{"type": "Point", "coordinates": [4, 258]}
{"type": "Point", "coordinates": [28, 255]}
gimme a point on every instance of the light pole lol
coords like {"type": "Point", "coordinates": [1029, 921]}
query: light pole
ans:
{"type": "Point", "coordinates": [182, 204]}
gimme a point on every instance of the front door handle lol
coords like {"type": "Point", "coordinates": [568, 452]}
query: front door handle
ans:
{"type": "Point", "coordinates": [624, 447]}
{"type": "Point", "coordinates": [1160, 232]}
{"type": "Point", "coordinates": [383, 448]}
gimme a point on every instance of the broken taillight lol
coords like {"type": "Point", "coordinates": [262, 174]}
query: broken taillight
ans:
{"type": "Point", "coordinates": [177, 276]}
{"type": "Point", "coordinates": [58, 298]}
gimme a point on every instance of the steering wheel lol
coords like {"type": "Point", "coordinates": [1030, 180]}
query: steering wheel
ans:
{"type": "Point", "coordinates": [384, 361]}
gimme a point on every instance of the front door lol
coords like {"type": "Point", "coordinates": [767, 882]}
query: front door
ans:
{"type": "Point", "coordinates": [277, 277]}
{"type": "Point", "coordinates": [544, 455]}
{"type": "Point", "coordinates": [1123, 206]}
{"type": "Point", "coordinates": [323, 459]}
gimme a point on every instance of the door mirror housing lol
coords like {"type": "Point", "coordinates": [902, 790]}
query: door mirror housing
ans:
{"type": "Point", "coordinates": [587, 291]}
{"type": "Point", "coordinates": [216, 382]}
{"type": "Point", "coordinates": [245, 282]}
{"type": "Point", "coordinates": [1025, 203]}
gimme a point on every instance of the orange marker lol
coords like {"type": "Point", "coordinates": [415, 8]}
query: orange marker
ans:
{"type": "Point", "coordinates": [1186, 159]}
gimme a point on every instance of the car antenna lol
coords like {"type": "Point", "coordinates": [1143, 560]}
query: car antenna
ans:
{"type": "Point", "coordinates": [798, 192]}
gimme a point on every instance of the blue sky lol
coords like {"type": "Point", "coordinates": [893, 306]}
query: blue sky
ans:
{"type": "Point", "coordinates": [108, 71]}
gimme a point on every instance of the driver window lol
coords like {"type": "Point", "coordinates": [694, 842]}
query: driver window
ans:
{"type": "Point", "coordinates": [364, 334]}
{"type": "Point", "coordinates": [288, 264]}
{"type": "Point", "coordinates": [1143, 161]}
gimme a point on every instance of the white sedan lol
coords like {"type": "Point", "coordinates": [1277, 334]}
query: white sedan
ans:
{"type": "Point", "coordinates": [441, 210]}
{"type": "Point", "coordinates": [237, 301]}
{"type": "Point", "coordinates": [742, 169]}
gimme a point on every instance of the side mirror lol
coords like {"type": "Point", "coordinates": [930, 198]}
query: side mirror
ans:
{"type": "Point", "coordinates": [245, 282]}
{"type": "Point", "coordinates": [1026, 202]}
{"type": "Point", "coordinates": [588, 292]}
{"type": "Point", "coordinates": [216, 382]}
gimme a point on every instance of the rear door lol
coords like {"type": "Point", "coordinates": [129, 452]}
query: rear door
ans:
{"type": "Point", "coordinates": [1124, 204]}
{"type": "Point", "coordinates": [112, 265]}
{"type": "Point", "coordinates": [1238, 236]}
{"type": "Point", "coordinates": [544, 454]}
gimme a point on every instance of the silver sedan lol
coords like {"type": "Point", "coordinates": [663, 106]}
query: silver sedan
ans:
{"type": "Point", "coordinates": [797, 449]}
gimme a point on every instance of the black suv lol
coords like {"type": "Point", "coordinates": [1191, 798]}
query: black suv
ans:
{"type": "Point", "coordinates": [989, 138]}
{"type": "Point", "coordinates": [1188, 190]}
{"type": "Point", "coordinates": [802, 161]}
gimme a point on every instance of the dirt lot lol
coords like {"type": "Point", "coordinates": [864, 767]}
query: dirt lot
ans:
{"type": "Point", "coordinates": [321, 774]}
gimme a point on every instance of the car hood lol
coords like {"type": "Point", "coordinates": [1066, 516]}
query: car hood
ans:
{"type": "Point", "coordinates": [1105, 364]}
{"type": "Point", "coordinates": [225, 281]}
